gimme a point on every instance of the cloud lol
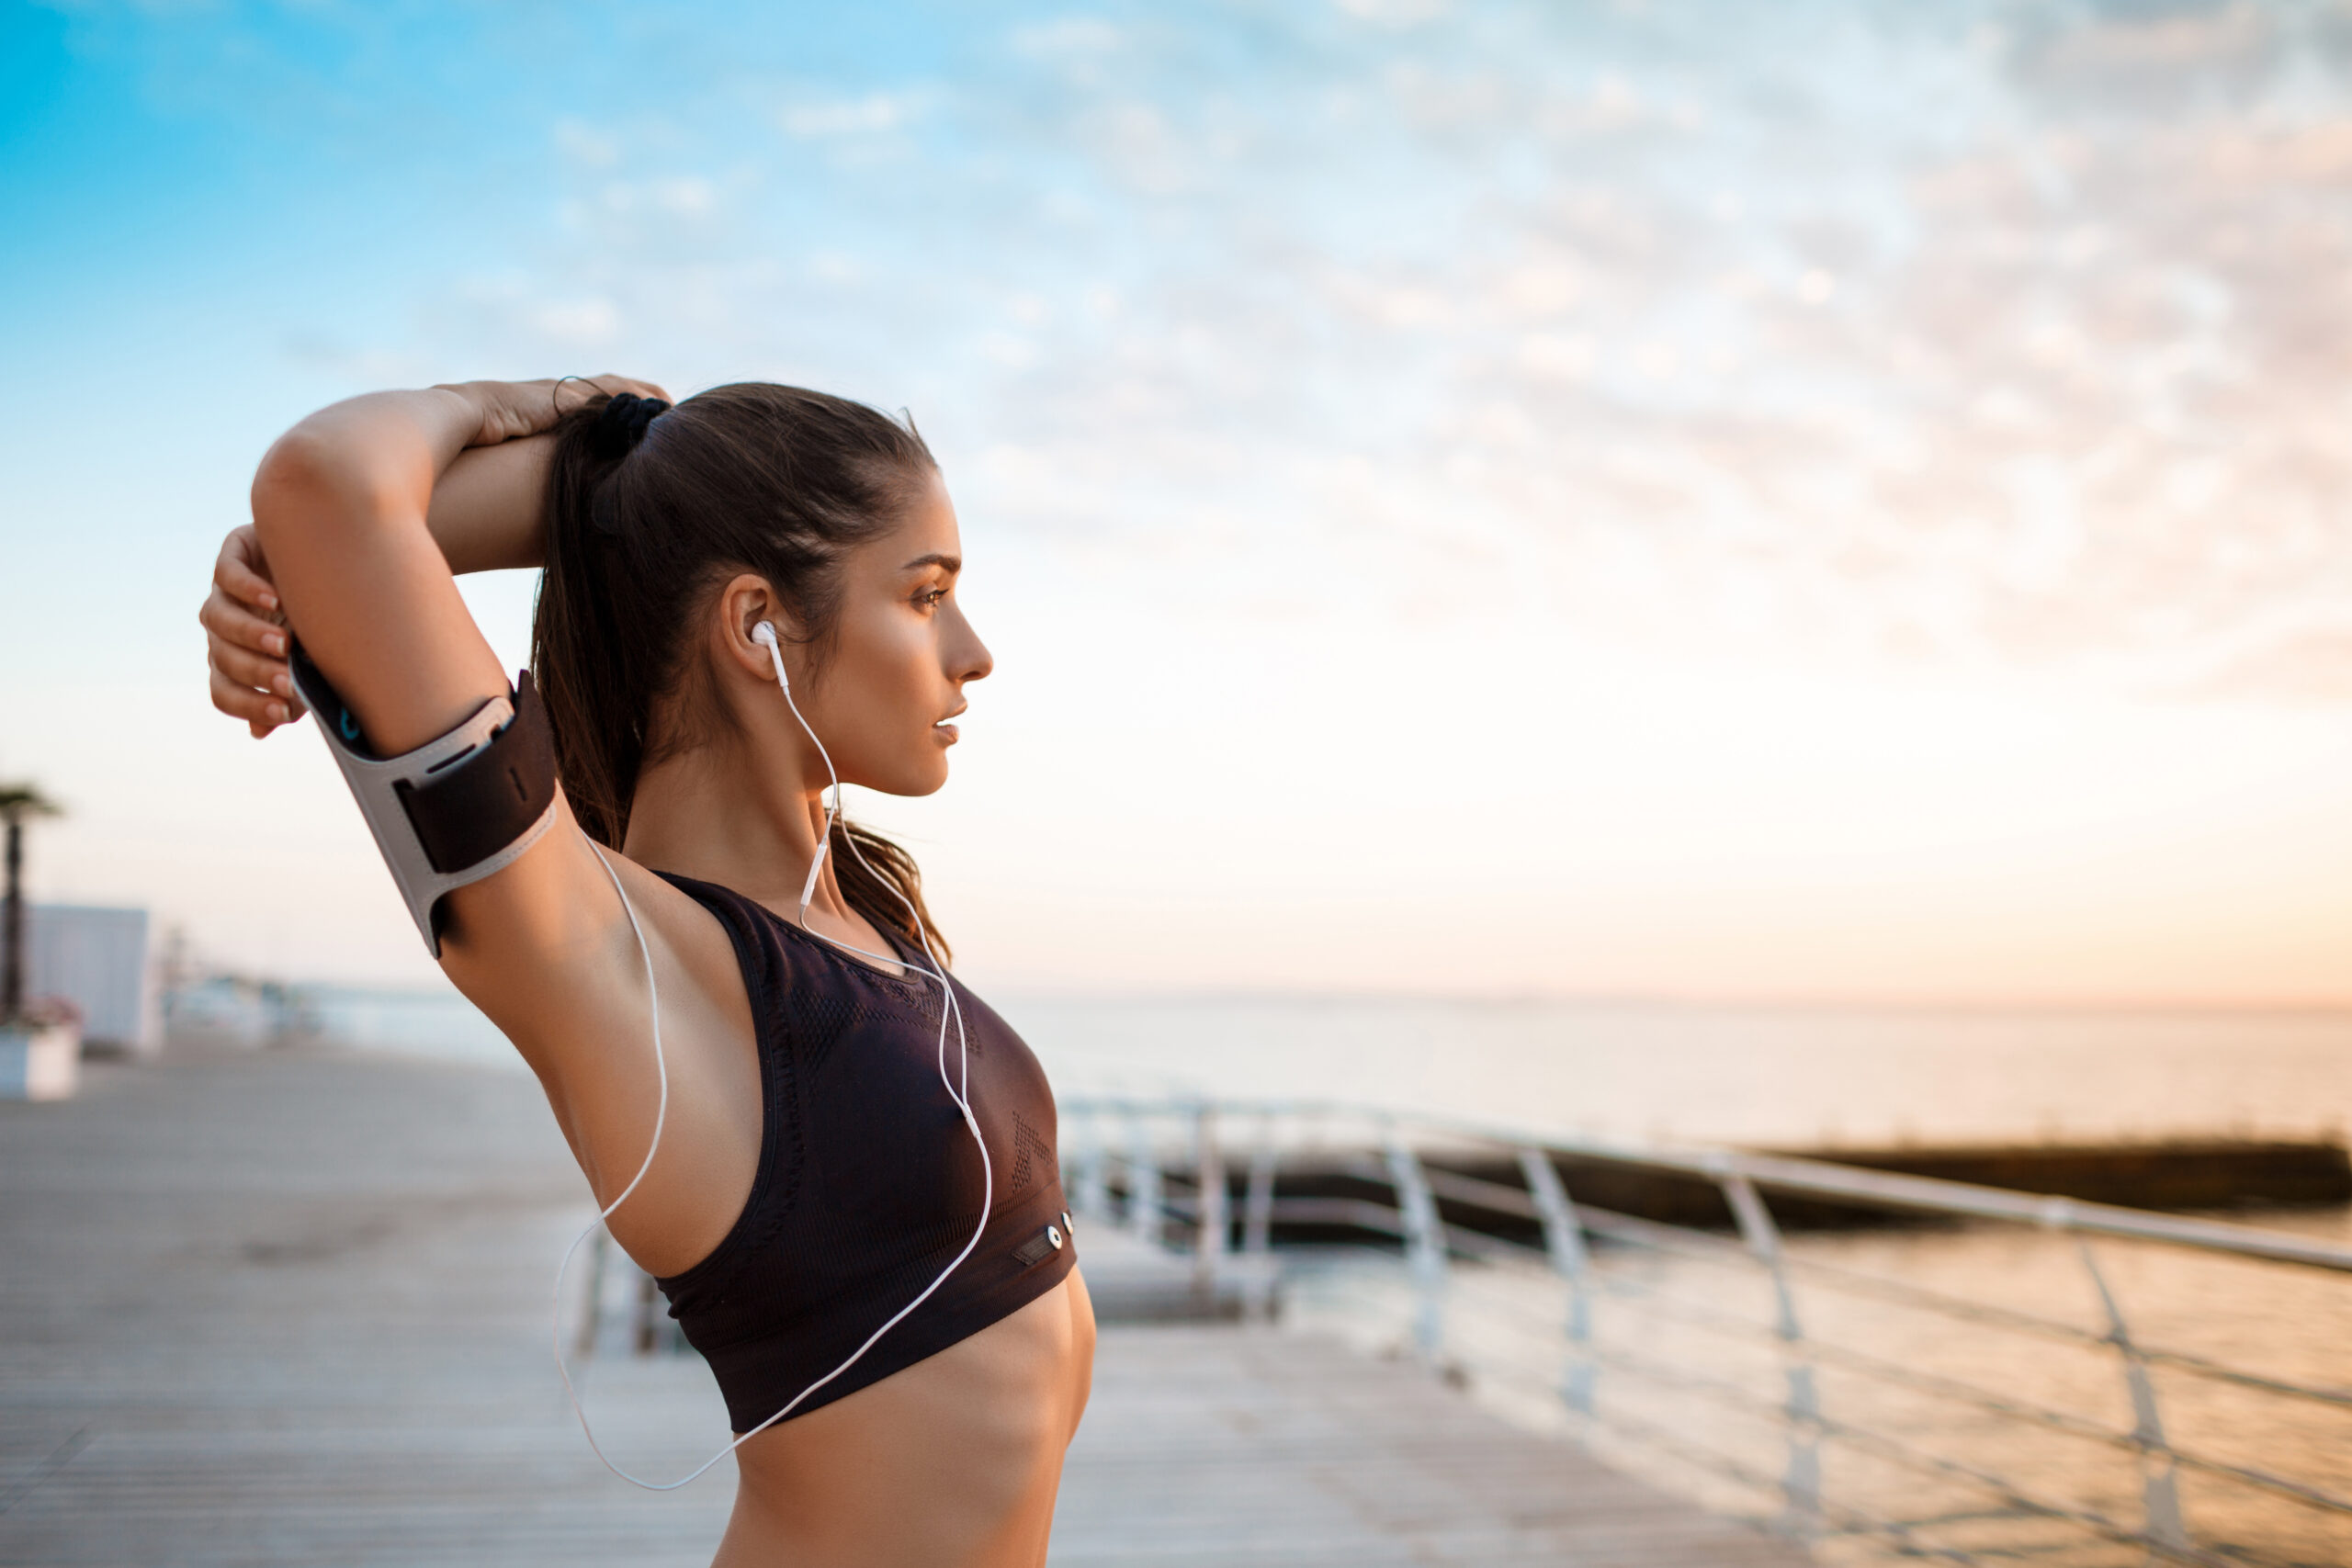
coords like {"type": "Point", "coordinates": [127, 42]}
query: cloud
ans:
{"type": "Point", "coordinates": [870, 115]}
{"type": "Point", "coordinates": [2049, 372]}
{"type": "Point", "coordinates": [581, 323]}
{"type": "Point", "coordinates": [2312, 664]}
{"type": "Point", "coordinates": [1314, 390]}
{"type": "Point", "coordinates": [1993, 335]}
{"type": "Point", "coordinates": [587, 145]}
{"type": "Point", "coordinates": [2152, 59]}
{"type": "Point", "coordinates": [1392, 13]}
{"type": "Point", "coordinates": [1067, 38]}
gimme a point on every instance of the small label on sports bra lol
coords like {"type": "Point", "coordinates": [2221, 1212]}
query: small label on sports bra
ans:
{"type": "Point", "coordinates": [1039, 1246]}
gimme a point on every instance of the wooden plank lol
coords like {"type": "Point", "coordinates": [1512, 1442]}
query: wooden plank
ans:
{"type": "Point", "coordinates": [291, 1309]}
{"type": "Point", "coordinates": [1254, 1446]}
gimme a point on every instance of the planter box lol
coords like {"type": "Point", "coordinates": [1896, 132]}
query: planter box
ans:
{"type": "Point", "coordinates": [39, 1061]}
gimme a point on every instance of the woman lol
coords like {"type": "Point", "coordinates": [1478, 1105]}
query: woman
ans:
{"type": "Point", "coordinates": [814, 1170]}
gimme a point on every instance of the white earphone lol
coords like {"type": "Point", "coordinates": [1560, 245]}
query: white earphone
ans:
{"type": "Point", "coordinates": [764, 635]}
{"type": "Point", "coordinates": [958, 1090]}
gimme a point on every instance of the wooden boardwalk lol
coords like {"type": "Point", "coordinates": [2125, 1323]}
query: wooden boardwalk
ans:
{"type": "Point", "coordinates": [291, 1309]}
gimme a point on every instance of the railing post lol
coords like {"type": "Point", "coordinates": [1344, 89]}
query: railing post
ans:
{"type": "Point", "coordinates": [2159, 1489]}
{"type": "Point", "coordinates": [646, 1317]}
{"type": "Point", "coordinates": [1143, 1182]}
{"type": "Point", "coordinates": [1424, 1244]}
{"type": "Point", "coordinates": [1564, 1240]}
{"type": "Point", "coordinates": [1801, 1483]}
{"type": "Point", "coordinates": [592, 1311]}
{"type": "Point", "coordinates": [1258, 1221]}
{"type": "Point", "coordinates": [1209, 1233]}
{"type": "Point", "coordinates": [1093, 1195]}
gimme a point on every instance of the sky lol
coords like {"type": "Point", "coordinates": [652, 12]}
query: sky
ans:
{"type": "Point", "coordinates": [1825, 500]}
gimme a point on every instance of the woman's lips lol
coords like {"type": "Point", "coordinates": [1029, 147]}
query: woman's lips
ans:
{"type": "Point", "coordinates": [945, 732]}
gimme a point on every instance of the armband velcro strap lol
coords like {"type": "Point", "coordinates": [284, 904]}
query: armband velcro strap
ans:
{"type": "Point", "coordinates": [467, 809]}
{"type": "Point", "coordinates": [455, 809]}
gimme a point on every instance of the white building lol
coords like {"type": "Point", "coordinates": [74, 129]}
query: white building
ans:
{"type": "Point", "coordinates": [99, 960]}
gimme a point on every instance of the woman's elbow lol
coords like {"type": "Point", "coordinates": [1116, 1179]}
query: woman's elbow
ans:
{"type": "Point", "coordinates": [305, 486]}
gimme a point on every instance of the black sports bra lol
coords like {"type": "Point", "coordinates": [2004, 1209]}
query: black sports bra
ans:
{"type": "Point", "coordinates": [868, 1184]}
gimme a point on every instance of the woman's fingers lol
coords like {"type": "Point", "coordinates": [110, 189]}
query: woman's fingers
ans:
{"type": "Point", "coordinates": [608, 385]}
{"type": "Point", "coordinates": [267, 680]}
{"type": "Point", "coordinates": [229, 622]}
{"type": "Point", "coordinates": [252, 670]}
{"type": "Point", "coordinates": [510, 409]}
{"type": "Point", "coordinates": [260, 710]}
{"type": "Point", "coordinates": [573, 390]}
{"type": "Point", "coordinates": [239, 571]}
{"type": "Point", "coordinates": [246, 639]}
{"type": "Point", "coordinates": [618, 384]}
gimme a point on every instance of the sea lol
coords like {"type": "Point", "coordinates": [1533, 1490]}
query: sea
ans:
{"type": "Point", "coordinates": [1797, 1077]}
{"type": "Point", "coordinates": [1689, 1368]}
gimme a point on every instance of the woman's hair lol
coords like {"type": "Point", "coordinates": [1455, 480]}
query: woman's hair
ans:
{"type": "Point", "coordinates": [751, 477]}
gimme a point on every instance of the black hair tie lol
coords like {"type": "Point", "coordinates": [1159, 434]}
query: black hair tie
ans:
{"type": "Point", "coordinates": [621, 423]}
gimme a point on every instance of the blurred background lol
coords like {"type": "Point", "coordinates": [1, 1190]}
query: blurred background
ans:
{"type": "Point", "coordinates": [1553, 509]}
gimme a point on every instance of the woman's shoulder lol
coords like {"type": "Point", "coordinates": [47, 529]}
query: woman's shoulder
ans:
{"type": "Point", "coordinates": [560, 950]}
{"type": "Point", "coordinates": [713, 932]}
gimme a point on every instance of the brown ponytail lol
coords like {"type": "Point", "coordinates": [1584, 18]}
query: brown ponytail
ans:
{"type": "Point", "coordinates": [777, 480]}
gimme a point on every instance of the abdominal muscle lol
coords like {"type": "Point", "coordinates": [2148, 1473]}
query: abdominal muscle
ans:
{"type": "Point", "coordinates": [952, 1462]}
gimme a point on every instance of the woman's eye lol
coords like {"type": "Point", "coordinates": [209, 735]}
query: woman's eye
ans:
{"type": "Point", "coordinates": [931, 596]}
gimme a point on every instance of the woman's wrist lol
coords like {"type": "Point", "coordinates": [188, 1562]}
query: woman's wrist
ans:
{"type": "Point", "coordinates": [489, 495]}
{"type": "Point", "coordinates": [508, 411]}
{"type": "Point", "coordinates": [478, 408]}
{"type": "Point", "coordinates": [454, 410]}
{"type": "Point", "coordinates": [489, 507]}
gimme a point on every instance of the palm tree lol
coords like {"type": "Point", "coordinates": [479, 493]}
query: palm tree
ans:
{"type": "Point", "coordinates": [18, 802]}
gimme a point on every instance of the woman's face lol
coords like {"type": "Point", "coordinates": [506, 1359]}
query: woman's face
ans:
{"type": "Point", "coordinates": [893, 677]}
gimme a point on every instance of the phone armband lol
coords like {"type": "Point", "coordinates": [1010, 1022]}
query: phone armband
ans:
{"type": "Point", "coordinates": [455, 809]}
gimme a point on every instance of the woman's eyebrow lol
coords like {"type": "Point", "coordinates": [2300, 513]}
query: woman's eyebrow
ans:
{"type": "Point", "coordinates": [951, 564]}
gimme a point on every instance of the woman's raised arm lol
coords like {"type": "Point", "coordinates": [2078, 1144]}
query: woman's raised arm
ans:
{"type": "Point", "coordinates": [363, 511]}
{"type": "Point", "coordinates": [486, 514]}
{"type": "Point", "coordinates": [359, 533]}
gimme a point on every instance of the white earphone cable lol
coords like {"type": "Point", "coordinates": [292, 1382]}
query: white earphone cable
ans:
{"type": "Point", "coordinates": [958, 1091]}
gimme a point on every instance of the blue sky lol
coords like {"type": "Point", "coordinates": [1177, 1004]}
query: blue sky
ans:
{"type": "Point", "coordinates": [1822, 498]}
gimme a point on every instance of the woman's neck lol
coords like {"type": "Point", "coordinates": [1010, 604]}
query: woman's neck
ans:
{"type": "Point", "coordinates": [707, 814]}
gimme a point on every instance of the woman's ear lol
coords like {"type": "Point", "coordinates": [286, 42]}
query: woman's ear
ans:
{"type": "Point", "coordinates": [744, 604]}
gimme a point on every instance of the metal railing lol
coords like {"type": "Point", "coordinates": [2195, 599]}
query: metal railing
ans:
{"type": "Point", "coordinates": [1167, 1158]}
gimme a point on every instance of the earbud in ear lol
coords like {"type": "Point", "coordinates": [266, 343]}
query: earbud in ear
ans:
{"type": "Point", "coordinates": [764, 635]}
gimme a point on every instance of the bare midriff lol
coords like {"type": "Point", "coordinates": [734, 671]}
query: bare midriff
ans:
{"type": "Point", "coordinates": [953, 1462]}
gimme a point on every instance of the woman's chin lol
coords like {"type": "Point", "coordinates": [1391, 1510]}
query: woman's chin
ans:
{"type": "Point", "coordinates": [925, 777]}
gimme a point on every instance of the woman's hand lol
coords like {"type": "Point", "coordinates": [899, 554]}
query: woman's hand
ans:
{"type": "Point", "coordinates": [510, 409]}
{"type": "Point", "coordinates": [244, 639]}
